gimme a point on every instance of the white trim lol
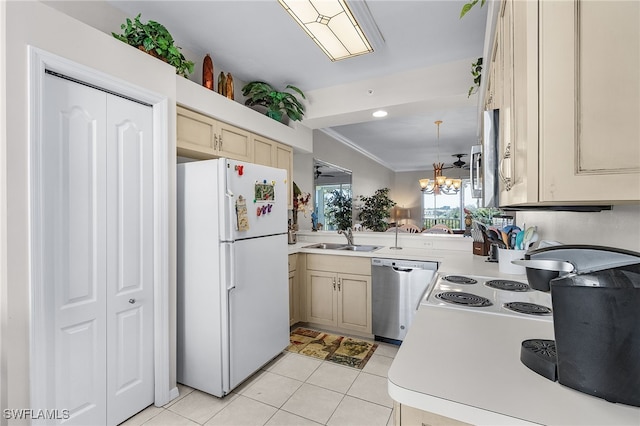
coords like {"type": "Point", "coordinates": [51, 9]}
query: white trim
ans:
{"type": "Point", "coordinates": [39, 60]}
{"type": "Point", "coordinates": [173, 394]}
{"type": "Point", "coordinates": [345, 141]}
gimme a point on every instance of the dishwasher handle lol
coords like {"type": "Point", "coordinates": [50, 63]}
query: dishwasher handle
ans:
{"type": "Point", "coordinates": [397, 269]}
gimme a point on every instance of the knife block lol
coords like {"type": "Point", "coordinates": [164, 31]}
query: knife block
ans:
{"type": "Point", "coordinates": [481, 248]}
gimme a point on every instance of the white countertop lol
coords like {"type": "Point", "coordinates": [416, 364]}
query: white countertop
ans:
{"type": "Point", "coordinates": [451, 261]}
{"type": "Point", "coordinates": [479, 379]}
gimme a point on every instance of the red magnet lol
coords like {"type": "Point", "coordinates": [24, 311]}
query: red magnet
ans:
{"type": "Point", "coordinates": [259, 211]}
{"type": "Point", "coordinates": [239, 169]}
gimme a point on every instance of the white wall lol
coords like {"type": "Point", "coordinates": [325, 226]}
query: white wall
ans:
{"type": "Point", "coordinates": [619, 227]}
{"type": "Point", "coordinates": [3, 218]}
{"type": "Point", "coordinates": [406, 192]}
{"type": "Point", "coordinates": [33, 23]}
{"type": "Point", "coordinates": [303, 177]}
{"type": "Point", "coordinates": [368, 175]}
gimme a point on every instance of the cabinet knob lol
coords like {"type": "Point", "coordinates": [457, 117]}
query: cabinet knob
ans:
{"type": "Point", "coordinates": [339, 283]}
{"type": "Point", "coordinates": [215, 142]}
{"type": "Point", "coordinates": [132, 301]}
{"type": "Point", "coordinates": [334, 283]}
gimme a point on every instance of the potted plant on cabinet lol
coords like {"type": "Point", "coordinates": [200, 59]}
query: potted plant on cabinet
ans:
{"type": "Point", "coordinates": [154, 39]}
{"type": "Point", "coordinates": [277, 103]}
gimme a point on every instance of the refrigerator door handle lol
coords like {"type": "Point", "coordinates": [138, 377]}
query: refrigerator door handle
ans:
{"type": "Point", "coordinates": [228, 220]}
{"type": "Point", "coordinates": [231, 267]}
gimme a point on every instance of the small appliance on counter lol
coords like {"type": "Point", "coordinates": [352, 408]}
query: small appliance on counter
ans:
{"type": "Point", "coordinates": [292, 238]}
{"type": "Point", "coordinates": [595, 294]}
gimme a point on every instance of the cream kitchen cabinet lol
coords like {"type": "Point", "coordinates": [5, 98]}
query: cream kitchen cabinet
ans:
{"type": "Point", "coordinates": [203, 137]}
{"type": "Point", "coordinates": [570, 104]}
{"type": "Point", "coordinates": [338, 292]}
{"type": "Point", "coordinates": [294, 293]}
{"type": "Point", "coordinates": [271, 153]}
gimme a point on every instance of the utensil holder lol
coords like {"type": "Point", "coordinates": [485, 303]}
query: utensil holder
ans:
{"type": "Point", "coordinates": [504, 261]}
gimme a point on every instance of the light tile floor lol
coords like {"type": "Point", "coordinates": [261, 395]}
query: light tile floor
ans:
{"type": "Point", "coordinates": [292, 390]}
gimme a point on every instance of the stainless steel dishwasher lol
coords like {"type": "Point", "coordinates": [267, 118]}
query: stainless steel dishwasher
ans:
{"type": "Point", "coordinates": [397, 286]}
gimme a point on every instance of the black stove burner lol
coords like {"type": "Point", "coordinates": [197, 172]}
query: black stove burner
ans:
{"type": "Point", "coordinates": [528, 308]}
{"type": "Point", "coordinates": [462, 298]}
{"type": "Point", "coordinates": [507, 285]}
{"type": "Point", "coordinates": [459, 279]}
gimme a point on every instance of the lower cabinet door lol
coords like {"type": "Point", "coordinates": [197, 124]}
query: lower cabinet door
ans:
{"type": "Point", "coordinates": [354, 302]}
{"type": "Point", "coordinates": [321, 297]}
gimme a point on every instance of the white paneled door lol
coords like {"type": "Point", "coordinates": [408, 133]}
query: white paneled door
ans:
{"type": "Point", "coordinates": [96, 186]}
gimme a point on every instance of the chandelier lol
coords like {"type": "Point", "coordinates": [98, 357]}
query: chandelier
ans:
{"type": "Point", "coordinates": [440, 184]}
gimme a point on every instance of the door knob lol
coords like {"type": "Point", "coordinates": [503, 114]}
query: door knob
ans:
{"type": "Point", "coordinates": [132, 301]}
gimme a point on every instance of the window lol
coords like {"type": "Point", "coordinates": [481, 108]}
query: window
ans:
{"type": "Point", "coordinates": [325, 205]}
{"type": "Point", "coordinates": [448, 209]}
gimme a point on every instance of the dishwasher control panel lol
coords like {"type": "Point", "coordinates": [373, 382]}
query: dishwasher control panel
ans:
{"type": "Point", "coordinates": [405, 264]}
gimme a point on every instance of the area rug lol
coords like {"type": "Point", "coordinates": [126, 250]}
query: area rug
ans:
{"type": "Point", "coordinates": [330, 347]}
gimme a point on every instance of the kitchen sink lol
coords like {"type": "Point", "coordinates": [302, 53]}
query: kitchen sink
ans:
{"type": "Point", "coordinates": [338, 246]}
{"type": "Point", "coordinates": [360, 248]}
{"type": "Point", "coordinates": [326, 246]}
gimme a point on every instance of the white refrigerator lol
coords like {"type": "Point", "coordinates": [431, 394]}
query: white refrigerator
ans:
{"type": "Point", "coordinates": [233, 289]}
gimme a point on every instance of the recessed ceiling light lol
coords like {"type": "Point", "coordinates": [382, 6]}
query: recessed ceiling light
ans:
{"type": "Point", "coordinates": [380, 114]}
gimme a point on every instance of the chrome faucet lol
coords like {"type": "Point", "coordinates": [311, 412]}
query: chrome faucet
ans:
{"type": "Point", "coordinates": [348, 234]}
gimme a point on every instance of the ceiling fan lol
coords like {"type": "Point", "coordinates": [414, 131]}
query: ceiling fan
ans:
{"type": "Point", "coordinates": [319, 172]}
{"type": "Point", "coordinates": [458, 164]}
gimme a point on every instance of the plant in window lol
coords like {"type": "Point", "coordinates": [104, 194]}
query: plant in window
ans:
{"type": "Point", "coordinates": [339, 208]}
{"type": "Point", "coordinates": [154, 39]}
{"type": "Point", "coordinates": [484, 214]}
{"type": "Point", "coordinates": [375, 210]}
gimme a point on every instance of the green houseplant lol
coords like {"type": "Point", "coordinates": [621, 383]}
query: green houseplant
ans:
{"type": "Point", "coordinates": [476, 72]}
{"type": "Point", "coordinates": [277, 103]}
{"type": "Point", "coordinates": [375, 210]}
{"type": "Point", "coordinates": [154, 39]}
{"type": "Point", "coordinates": [339, 209]}
{"type": "Point", "coordinates": [467, 6]}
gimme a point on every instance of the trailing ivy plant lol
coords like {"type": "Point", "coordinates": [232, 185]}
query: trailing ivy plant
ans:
{"type": "Point", "coordinates": [339, 208]}
{"type": "Point", "coordinates": [375, 210]}
{"type": "Point", "coordinates": [154, 39]}
{"type": "Point", "coordinates": [467, 6]}
{"type": "Point", "coordinates": [476, 67]}
{"type": "Point", "coordinates": [476, 72]}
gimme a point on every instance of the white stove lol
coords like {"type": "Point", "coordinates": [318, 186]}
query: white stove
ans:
{"type": "Point", "coordinates": [490, 295]}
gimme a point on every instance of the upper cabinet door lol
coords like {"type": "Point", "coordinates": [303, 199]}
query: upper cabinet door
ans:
{"type": "Point", "coordinates": [233, 142]}
{"type": "Point", "coordinates": [203, 137]}
{"type": "Point", "coordinates": [589, 101]}
{"type": "Point", "coordinates": [196, 135]}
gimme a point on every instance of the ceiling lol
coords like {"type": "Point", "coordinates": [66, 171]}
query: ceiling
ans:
{"type": "Point", "coordinates": [419, 71]}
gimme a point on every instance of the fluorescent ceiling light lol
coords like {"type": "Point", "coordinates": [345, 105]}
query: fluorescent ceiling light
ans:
{"type": "Point", "coordinates": [380, 114]}
{"type": "Point", "coordinates": [331, 25]}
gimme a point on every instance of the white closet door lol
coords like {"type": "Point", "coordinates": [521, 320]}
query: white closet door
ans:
{"type": "Point", "coordinates": [96, 186]}
{"type": "Point", "coordinates": [129, 258]}
{"type": "Point", "coordinates": [74, 229]}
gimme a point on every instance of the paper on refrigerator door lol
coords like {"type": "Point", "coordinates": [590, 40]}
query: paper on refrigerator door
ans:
{"type": "Point", "coordinates": [241, 213]}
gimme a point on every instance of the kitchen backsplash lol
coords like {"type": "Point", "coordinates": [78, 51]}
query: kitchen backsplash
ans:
{"type": "Point", "coordinates": [618, 227]}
